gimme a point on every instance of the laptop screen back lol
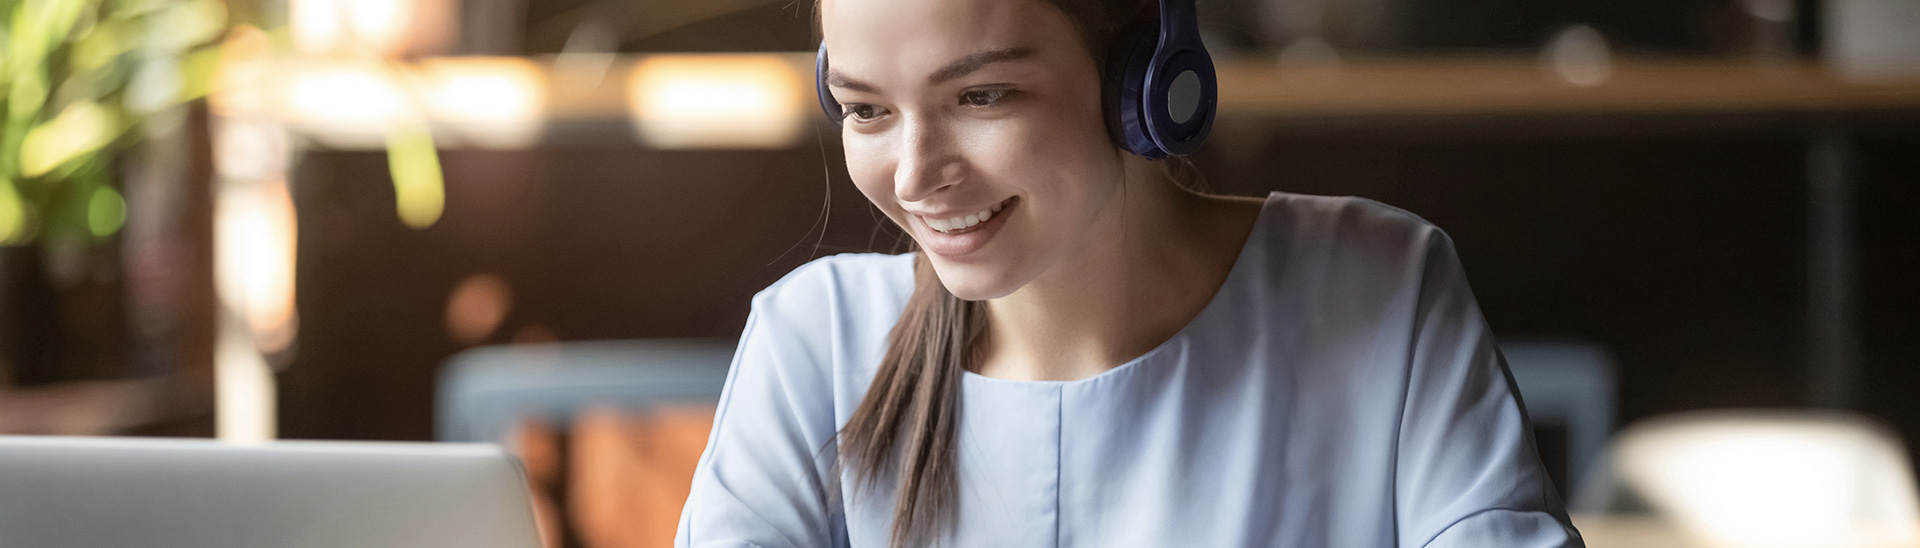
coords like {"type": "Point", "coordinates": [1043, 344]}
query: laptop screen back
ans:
{"type": "Point", "coordinates": [94, 492]}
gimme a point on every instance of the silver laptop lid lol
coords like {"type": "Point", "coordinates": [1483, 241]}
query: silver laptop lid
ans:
{"type": "Point", "coordinates": [58, 492]}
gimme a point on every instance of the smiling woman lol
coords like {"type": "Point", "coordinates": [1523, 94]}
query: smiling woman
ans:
{"type": "Point", "coordinates": [1084, 351]}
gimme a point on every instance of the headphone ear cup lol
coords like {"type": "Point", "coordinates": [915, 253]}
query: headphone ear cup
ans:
{"type": "Point", "coordinates": [1134, 43]}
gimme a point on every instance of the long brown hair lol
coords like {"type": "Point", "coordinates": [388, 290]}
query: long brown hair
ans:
{"type": "Point", "coordinates": [907, 423]}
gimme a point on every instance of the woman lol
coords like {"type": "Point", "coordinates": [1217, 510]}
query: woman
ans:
{"type": "Point", "coordinates": [1084, 353]}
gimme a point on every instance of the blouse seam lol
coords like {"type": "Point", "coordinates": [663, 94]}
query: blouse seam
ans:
{"type": "Point", "coordinates": [1059, 450]}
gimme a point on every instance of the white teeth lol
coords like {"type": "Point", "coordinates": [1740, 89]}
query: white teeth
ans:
{"type": "Point", "coordinates": [958, 223]}
{"type": "Point", "coordinates": [996, 207]}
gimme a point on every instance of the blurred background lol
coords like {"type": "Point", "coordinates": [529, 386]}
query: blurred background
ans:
{"type": "Point", "coordinates": [1694, 224]}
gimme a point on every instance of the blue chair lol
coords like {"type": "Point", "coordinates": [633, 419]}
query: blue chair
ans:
{"type": "Point", "coordinates": [485, 391]}
{"type": "Point", "coordinates": [1570, 384]}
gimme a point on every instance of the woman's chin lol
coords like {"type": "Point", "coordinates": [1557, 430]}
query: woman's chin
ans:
{"type": "Point", "coordinates": [974, 282]}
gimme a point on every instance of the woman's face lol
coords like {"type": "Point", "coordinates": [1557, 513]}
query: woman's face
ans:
{"type": "Point", "coordinates": [964, 110]}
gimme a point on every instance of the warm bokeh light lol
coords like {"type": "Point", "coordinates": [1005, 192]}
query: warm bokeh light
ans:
{"type": "Point", "coordinates": [250, 148]}
{"type": "Point", "coordinates": [1775, 480]}
{"type": "Point", "coordinates": [315, 24]}
{"type": "Point", "coordinates": [245, 397]}
{"type": "Point", "coordinates": [369, 26]}
{"type": "Point", "coordinates": [347, 103]}
{"type": "Point", "coordinates": [738, 101]}
{"type": "Point", "coordinates": [492, 102]}
{"type": "Point", "coordinates": [1579, 56]}
{"type": "Point", "coordinates": [254, 249]}
{"type": "Point", "coordinates": [242, 80]}
{"type": "Point", "coordinates": [717, 101]}
{"type": "Point", "coordinates": [477, 306]}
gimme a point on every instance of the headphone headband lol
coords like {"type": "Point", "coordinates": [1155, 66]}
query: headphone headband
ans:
{"type": "Point", "coordinates": [827, 104]}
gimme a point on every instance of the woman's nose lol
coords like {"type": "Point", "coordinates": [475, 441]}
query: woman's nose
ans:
{"type": "Point", "coordinates": [928, 162]}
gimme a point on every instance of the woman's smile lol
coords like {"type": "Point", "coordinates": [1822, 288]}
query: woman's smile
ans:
{"type": "Point", "coordinates": [958, 236]}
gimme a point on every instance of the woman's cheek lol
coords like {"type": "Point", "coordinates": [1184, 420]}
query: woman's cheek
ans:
{"type": "Point", "coordinates": [1000, 146]}
{"type": "Point", "coordinates": [870, 168]}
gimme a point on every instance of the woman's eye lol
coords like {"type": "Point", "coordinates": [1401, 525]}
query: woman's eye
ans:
{"type": "Point", "coordinates": [861, 112]}
{"type": "Point", "coordinates": [982, 97]}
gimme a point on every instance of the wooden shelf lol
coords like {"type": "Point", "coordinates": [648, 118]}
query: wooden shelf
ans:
{"type": "Point", "coordinates": [588, 102]}
{"type": "Point", "coordinates": [1500, 86]}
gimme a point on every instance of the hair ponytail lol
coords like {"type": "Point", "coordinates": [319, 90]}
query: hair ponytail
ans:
{"type": "Point", "coordinates": [907, 422]}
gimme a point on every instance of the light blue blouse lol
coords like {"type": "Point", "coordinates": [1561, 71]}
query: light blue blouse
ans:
{"type": "Point", "coordinates": [1341, 390]}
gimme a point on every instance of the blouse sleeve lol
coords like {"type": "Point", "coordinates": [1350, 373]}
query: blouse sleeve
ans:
{"type": "Point", "coordinates": [759, 483]}
{"type": "Point", "coordinates": [1467, 472]}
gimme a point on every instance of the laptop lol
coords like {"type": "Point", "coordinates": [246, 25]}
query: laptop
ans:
{"type": "Point", "coordinates": [58, 492]}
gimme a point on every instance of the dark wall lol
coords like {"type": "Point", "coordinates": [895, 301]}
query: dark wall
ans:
{"type": "Point", "coordinates": [1889, 202]}
{"type": "Point", "coordinates": [594, 244]}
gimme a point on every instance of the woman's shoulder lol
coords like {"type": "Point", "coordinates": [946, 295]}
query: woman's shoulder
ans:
{"type": "Point", "coordinates": [822, 321]}
{"type": "Point", "coordinates": [1349, 226]}
{"type": "Point", "coordinates": [1358, 248]}
{"type": "Point", "coordinates": [1348, 214]}
{"type": "Point", "coordinates": [837, 286]}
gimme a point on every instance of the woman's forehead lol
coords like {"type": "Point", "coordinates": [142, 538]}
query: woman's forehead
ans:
{"type": "Point", "coordinates": [889, 39]}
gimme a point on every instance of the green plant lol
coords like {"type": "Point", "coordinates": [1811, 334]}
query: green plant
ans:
{"type": "Point", "coordinates": [81, 78]}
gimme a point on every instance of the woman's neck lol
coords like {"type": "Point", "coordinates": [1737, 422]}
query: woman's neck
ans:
{"type": "Point", "coordinates": [1148, 272]}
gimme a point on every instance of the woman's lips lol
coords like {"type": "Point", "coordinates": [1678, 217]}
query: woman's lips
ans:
{"type": "Point", "coordinates": [961, 242]}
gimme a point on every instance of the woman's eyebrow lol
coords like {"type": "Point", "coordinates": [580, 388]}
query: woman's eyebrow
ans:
{"type": "Point", "coordinates": [835, 79]}
{"type": "Point", "coordinates": [959, 67]}
{"type": "Point", "coordinates": [975, 61]}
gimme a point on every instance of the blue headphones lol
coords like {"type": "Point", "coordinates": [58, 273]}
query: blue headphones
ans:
{"type": "Point", "coordinates": [1160, 103]}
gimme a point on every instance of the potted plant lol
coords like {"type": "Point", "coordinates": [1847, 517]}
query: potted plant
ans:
{"type": "Point", "coordinates": [82, 82]}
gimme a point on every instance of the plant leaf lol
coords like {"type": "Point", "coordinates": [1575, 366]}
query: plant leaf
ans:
{"type": "Point", "coordinates": [418, 189]}
{"type": "Point", "coordinates": [81, 128]}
